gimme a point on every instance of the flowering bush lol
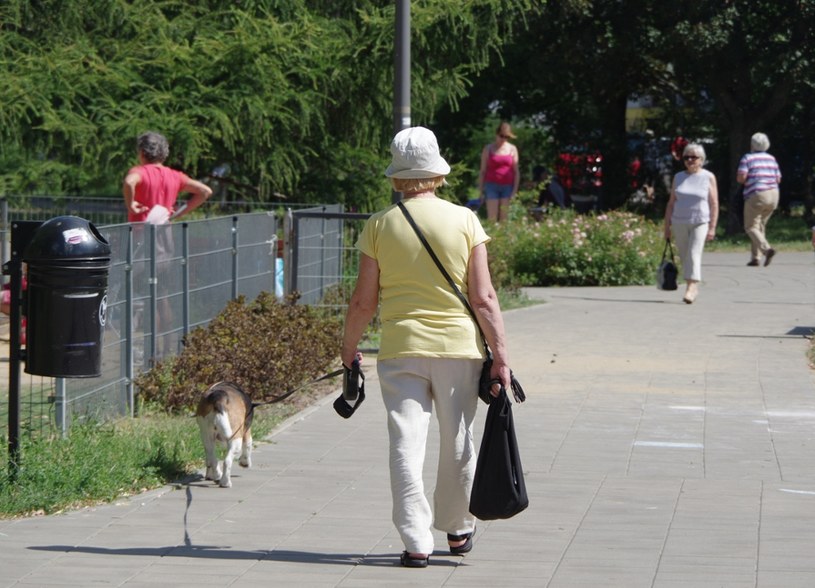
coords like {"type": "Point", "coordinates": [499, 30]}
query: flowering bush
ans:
{"type": "Point", "coordinates": [569, 249]}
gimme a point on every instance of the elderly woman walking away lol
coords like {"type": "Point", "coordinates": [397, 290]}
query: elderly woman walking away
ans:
{"type": "Point", "coordinates": [691, 215]}
{"type": "Point", "coordinates": [430, 352]}
{"type": "Point", "coordinates": [758, 171]}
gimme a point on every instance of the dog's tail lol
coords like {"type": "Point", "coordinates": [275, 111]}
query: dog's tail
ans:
{"type": "Point", "coordinates": [220, 399]}
{"type": "Point", "coordinates": [222, 425]}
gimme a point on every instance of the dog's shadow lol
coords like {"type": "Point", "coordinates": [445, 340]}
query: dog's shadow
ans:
{"type": "Point", "coordinates": [225, 553]}
{"type": "Point", "coordinates": [188, 549]}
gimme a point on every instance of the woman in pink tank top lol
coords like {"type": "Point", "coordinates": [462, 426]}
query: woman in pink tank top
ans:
{"type": "Point", "coordinates": [499, 176]}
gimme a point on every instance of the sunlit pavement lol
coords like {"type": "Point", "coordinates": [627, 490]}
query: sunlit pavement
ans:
{"type": "Point", "coordinates": [664, 445]}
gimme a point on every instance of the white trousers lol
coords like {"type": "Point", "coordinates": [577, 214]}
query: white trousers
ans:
{"type": "Point", "coordinates": [411, 388]}
{"type": "Point", "coordinates": [690, 242]}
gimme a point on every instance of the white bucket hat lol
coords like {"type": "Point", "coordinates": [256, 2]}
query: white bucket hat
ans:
{"type": "Point", "coordinates": [416, 155]}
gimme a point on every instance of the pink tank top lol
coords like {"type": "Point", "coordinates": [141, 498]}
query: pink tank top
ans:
{"type": "Point", "coordinates": [500, 169]}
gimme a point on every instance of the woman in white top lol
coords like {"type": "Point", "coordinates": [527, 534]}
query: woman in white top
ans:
{"type": "Point", "coordinates": [691, 215]}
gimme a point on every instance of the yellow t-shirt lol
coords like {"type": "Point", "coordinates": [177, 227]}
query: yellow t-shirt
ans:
{"type": "Point", "coordinates": [421, 315]}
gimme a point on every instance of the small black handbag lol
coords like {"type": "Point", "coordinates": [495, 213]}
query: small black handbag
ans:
{"type": "Point", "coordinates": [667, 272]}
{"type": "Point", "coordinates": [499, 489]}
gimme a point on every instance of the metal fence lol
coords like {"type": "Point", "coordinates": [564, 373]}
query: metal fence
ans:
{"type": "Point", "coordinates": [320, 252]}
{"type": "Point", "coordinates": [166, 280]}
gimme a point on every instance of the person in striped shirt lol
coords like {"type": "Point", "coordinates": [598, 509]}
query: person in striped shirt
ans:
{"type": "Point", "coordinates": [758, 171]}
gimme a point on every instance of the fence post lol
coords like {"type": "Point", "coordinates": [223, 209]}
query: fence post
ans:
{"type": "Point", "coordinates": [234, 257]}
{"type": "Point", "coordinates": [323, 226]}
{"type": "Point", "coordinates": [129, 309]}
{"type": "Point", "coordinates": [289, 253]}
{"type": "Point", "coordinates": [153, 283]}
{"type": "Point", "coordinates": [5, 233]}
{"type": "Point", "coordinates": [21, 234]}
{"type": "Point", "coordinates": [61, 406]}
{"type": "Point", "coordinates": [185, 277]}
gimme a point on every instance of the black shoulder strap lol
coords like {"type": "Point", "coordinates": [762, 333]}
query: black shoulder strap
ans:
{"type": "Point", "coordinates": [443, 271]}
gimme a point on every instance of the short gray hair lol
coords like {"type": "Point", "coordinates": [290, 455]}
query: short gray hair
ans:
{"type": "Point", "coordinates": [759, 142]}
{"type": "Point", "coordinates": [695, 149]}
{"type": "Point", "coordinates": [154, 146]}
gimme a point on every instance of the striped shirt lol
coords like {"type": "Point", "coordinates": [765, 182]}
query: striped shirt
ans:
{"type": "Point", "coordinates": [762, 172]}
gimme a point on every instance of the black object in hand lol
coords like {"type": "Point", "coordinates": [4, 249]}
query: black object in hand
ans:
{"type": "Point", "coordinates": [353, 390]}
{"type": "Point", "coordinates": [485, 384]}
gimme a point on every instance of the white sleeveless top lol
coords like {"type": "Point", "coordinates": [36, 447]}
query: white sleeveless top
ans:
{"type": "Point", "coordinates": [692, 205]}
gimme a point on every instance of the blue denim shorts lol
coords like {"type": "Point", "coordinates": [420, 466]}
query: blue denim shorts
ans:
{"type": "Point", "coordinates": [493, 191]}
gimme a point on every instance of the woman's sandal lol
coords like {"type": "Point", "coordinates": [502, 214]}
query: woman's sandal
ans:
{"type": "Point", "coordinates": [465, 547]}
{"type": "Point", "coordinates": [409, 561]}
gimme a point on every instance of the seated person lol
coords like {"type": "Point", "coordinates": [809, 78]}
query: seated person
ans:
{"type": "Point", "coordinates": [553, 192]}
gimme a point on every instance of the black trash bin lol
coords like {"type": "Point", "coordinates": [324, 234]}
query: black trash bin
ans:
{"type": "Point", "coordinates": [68, 263]}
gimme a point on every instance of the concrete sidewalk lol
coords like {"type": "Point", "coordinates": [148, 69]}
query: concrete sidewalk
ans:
{"type": "Point", "coordinates": [664, 445]}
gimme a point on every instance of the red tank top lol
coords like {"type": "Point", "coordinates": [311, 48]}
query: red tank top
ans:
{"type": "Point", "coordinates": [159, 185]}
{"type": "Point", "coordinates": [500, 168]}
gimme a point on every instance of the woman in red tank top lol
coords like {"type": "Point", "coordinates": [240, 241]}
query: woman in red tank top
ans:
{"type": "Point", "coordinates": [499, 176]}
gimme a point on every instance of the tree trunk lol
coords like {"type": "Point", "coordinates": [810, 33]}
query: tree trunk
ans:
{"type": "Point", "coordinates": [739, 143]}
{"type": "Point", "coordinates": [615, 154]}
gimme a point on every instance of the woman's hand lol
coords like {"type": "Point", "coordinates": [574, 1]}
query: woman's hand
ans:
{"type": "Point", "coordinates": [349, 359]}
{"type": "Point", "coordinates": [138, 208]}
{"type": "Point", "coordinates": [502, 373]}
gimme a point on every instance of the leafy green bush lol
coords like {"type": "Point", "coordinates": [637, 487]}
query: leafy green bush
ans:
{"type": "Point", "coordinates": [264, 346]}
{"type": "Point", "coordinates": [570, 249]}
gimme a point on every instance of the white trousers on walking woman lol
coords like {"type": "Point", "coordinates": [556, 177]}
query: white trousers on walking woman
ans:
{"type": "Point", "coordinates": [690, 242]}
{"type": "Point", "coordinates": [411, 389]}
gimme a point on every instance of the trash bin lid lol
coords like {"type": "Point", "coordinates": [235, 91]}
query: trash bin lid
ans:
{"type": "Point", "coordinates": [66, 237]}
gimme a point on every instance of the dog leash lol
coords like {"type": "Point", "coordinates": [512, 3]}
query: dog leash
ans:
{"type": "Point", "coordinates": [288, 393]}
{"type": "Point", "coordinates": [357, 373]}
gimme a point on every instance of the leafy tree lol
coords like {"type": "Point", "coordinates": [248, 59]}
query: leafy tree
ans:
{"type": "Point", "coordinates": [295, 95]}
{"type": "Point", "coordinates": [720, 69]}
{"type": "Point", "coordinates": [753, 57]}
{"type": "Point", "coordinates": [572, 72]}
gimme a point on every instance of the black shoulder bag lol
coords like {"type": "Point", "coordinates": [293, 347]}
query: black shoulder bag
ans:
{"type": "Point", "coordinates": [499, 489]}
{"type": "Point", "coordinates": [667, 271]}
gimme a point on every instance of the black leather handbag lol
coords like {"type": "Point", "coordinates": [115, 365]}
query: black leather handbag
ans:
{"type": "Point", "coordinates": [667, 272]}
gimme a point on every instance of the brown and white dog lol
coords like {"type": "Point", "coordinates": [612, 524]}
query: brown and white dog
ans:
{"type": "Point", "coordinates": [224, 416]}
